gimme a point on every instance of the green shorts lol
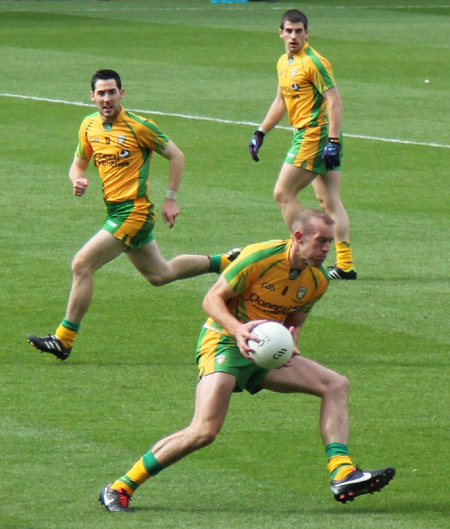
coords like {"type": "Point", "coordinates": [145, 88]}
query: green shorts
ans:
{"type": "Point", "coordinates": [307, 149]}
{"type": "Point", "coordinates": [131, 221]}
{"type": "Point", "coordinates": [219, 353]}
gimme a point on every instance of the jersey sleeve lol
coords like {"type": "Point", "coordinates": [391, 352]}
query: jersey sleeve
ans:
{"type": "Point", "coordinates": [84, 148]}
{"type": "Point", "coordinates": [321, 74]}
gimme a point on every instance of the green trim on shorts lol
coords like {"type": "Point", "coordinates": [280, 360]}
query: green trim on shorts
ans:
{"type": "Point", "coordinates": [318, 165]}
{"type": "Point", "coordinates": [120, 212]}
{"type": "Point", "coordinates": [228, 359]}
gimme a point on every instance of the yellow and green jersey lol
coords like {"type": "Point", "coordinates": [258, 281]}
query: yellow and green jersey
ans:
{"type": "Point", "coordinates": [266, 285]}
{"type": "Point", "coordinates": [122, 152]}
{"type": "Point", "coordinates": [303, 78]}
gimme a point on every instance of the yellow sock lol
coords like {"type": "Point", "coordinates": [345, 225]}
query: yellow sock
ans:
{"type": "Point", "coordinates": [136, 476]}
{"type": "Point", "coordinates": [66, 336]}
{"type": "Point", "coordinates": [344, 257]}
{"type": "Point", "coordinates": [340, 466]}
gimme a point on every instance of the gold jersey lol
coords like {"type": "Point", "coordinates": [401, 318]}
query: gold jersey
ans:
{"type": "Point", "coordinates": [303, 78]}
{"type": "Point", "coordinates": [266, 285]}
{"type": "Point", "coordinates": [122, 152]}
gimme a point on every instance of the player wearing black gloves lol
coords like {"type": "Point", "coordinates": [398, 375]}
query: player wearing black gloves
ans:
{"type": "Point", "coordinates": [307, 91]}
{"type": "Point", "coordinates": [255, 144]}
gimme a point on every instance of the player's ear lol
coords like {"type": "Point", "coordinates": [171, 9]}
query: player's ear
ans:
{"type": "Point", "coordinates": [298, 236]}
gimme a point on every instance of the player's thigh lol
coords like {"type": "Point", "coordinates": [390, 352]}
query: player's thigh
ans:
{"type": "Point", "coordinates": [327, 187]}
{"type": "Point", "coordinates": [303, 376]}
{"type": "Point", "coordinates": [99, 250]}
{"type": "Point", "coordinates": [292, 180]}
{"type": "Point", "coordinates": [212, 400]}
{"type": "Point", "coordinates": [148, 260]}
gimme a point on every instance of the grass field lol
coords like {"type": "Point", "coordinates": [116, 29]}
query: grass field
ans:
{"type": "Point", "coordinates": [206, 74]}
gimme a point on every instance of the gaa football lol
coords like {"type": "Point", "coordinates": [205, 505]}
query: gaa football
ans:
{"type": "Point", "coordinates": [274, 346]}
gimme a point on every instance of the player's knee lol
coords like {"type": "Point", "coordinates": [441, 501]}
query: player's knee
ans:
{"type": "Point", "coordinates": [281, 195]}
{"type": "Point", "coordinates": [158, 277]}
{"type": "Point", "coordinates": [80, 266]}
{"type": "Point", "coordinates": [156, 280]}
{"type": "Point", "coordinates": [201, 437]}
{"type": "Point", "coordinates": [339, 384]}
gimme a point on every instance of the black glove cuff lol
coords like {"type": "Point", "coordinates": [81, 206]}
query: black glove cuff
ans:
{"type": "Point", "coordinates": [259, 134]}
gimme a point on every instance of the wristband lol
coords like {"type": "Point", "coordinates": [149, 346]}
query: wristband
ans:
{"type": "Point", "coordinates": [333, 140]}
{"type": "Point", "coordinates": [170, 193]}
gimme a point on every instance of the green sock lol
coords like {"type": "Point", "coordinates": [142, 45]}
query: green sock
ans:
{"type": "Point", "coordinates": [151, 464]}
{"type": "Point", "coordinates": [70, 325]}
{"type": "Point", "coordinates": [215, 263]}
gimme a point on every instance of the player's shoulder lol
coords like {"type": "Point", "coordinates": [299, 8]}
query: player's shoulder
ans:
{"type": "Point", "coordinates": [282, 61]}
{"type": "Point", "coordinates": [314, 55]}
{"type": "Point", "coordinates": [93, 116]}
{"type": "Point", "coordinates": [137, 118]}
{"type": "Point", "coordinates": [89, 120]}
{"type": "Point", "coordinates": [271, 247]}
{"type": "Point", "coordinates": [320, 275]}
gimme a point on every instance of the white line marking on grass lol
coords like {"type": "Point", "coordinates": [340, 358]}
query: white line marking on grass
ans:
{"type": "Point", "coordinates": [218, 120]}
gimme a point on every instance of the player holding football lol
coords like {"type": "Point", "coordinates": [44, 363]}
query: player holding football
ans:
{"type": "Point", "coordinates": [278, 280]}
{"type": "Point", "coordinates": [307, 91]}
{"type": "Point", "coordinates": [121, 145]}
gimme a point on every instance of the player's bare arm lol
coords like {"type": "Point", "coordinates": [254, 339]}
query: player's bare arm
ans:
{"type": "Point", "coordinates": [275, 114]}
{"type": "Point", "coordinates": [334, 103]}
{"type": "Point", "coordinates": [215, 305]}
{"type": "Point", "coordinates": [294, 322]}
{"type": "Point", "coordinates": [170, 209]}
{"type": "Point", "coordinates": [77, 175]}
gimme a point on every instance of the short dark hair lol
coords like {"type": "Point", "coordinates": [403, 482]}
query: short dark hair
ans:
{"type": "Point", "coordinates": [295, 16]}
{"type": "Point", "coordinates": [105, 75]}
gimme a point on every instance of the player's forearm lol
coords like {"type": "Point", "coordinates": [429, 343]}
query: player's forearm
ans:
{"type": "Point", "coordinates": [334, 116]}
{"type": "Point", "coordinates": [75, 173]}
{"type": "Point", "coordinates": [275, 114]}
{"type": "Point", "coordinates": [176, 167]}
{"type": "Point", "coordinates": [215, 306]}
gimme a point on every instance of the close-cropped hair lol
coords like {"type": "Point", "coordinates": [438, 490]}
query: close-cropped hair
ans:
{"type": "Point", "coordinates": [295, 17]}
{"type": "Point", "coordinates": [304, 221]}
{"type": "Point", "coordinates": [105, 75]}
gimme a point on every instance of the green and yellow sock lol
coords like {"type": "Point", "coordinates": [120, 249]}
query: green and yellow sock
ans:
{"type": "Point", "coordinates": [344, 256]}
{"type": "Point", "coordinates": [339, 462]}
{"type": "Point", "coordinates": [67, 332]}
{"type": "Point", "coordinates": [218, 263]}
{"type": "Point", "coordinates": [139, 473]}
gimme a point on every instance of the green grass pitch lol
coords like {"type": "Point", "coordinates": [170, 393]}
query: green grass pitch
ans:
{"type": "Point", "coordinates": [206, 74]}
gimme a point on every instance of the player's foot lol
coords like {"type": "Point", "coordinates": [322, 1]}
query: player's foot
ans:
{"type": "Point", "coordinates": [229, 257]}
{"type": "Point", "coordinates": [361, 482]}
{"type": "Point", "coordinates": [50, 344]}
{"type": "Point", "coordinates": [115, 500]}
{"type": "Point", "coordinates": [335, 272]}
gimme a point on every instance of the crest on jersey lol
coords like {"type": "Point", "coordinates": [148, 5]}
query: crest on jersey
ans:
{"type": "Point", "coordinates": [121, 139]}
{"type": "Point", "coordinates": [293, 274]}
{"type": "Point", "coordinates": [301, 292]}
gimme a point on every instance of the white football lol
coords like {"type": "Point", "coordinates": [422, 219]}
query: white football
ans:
{"type": "Point", "coordinates": [274, 347]}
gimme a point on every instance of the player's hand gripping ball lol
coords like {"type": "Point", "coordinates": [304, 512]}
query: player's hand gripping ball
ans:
{"type": "Point", "coordinates": [274, 347]}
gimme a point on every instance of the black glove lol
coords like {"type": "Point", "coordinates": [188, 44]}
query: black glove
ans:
{"type": "Point", "coordinates": [331, 154]}
{"type": "Point", "coordinates": [255, 144]}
